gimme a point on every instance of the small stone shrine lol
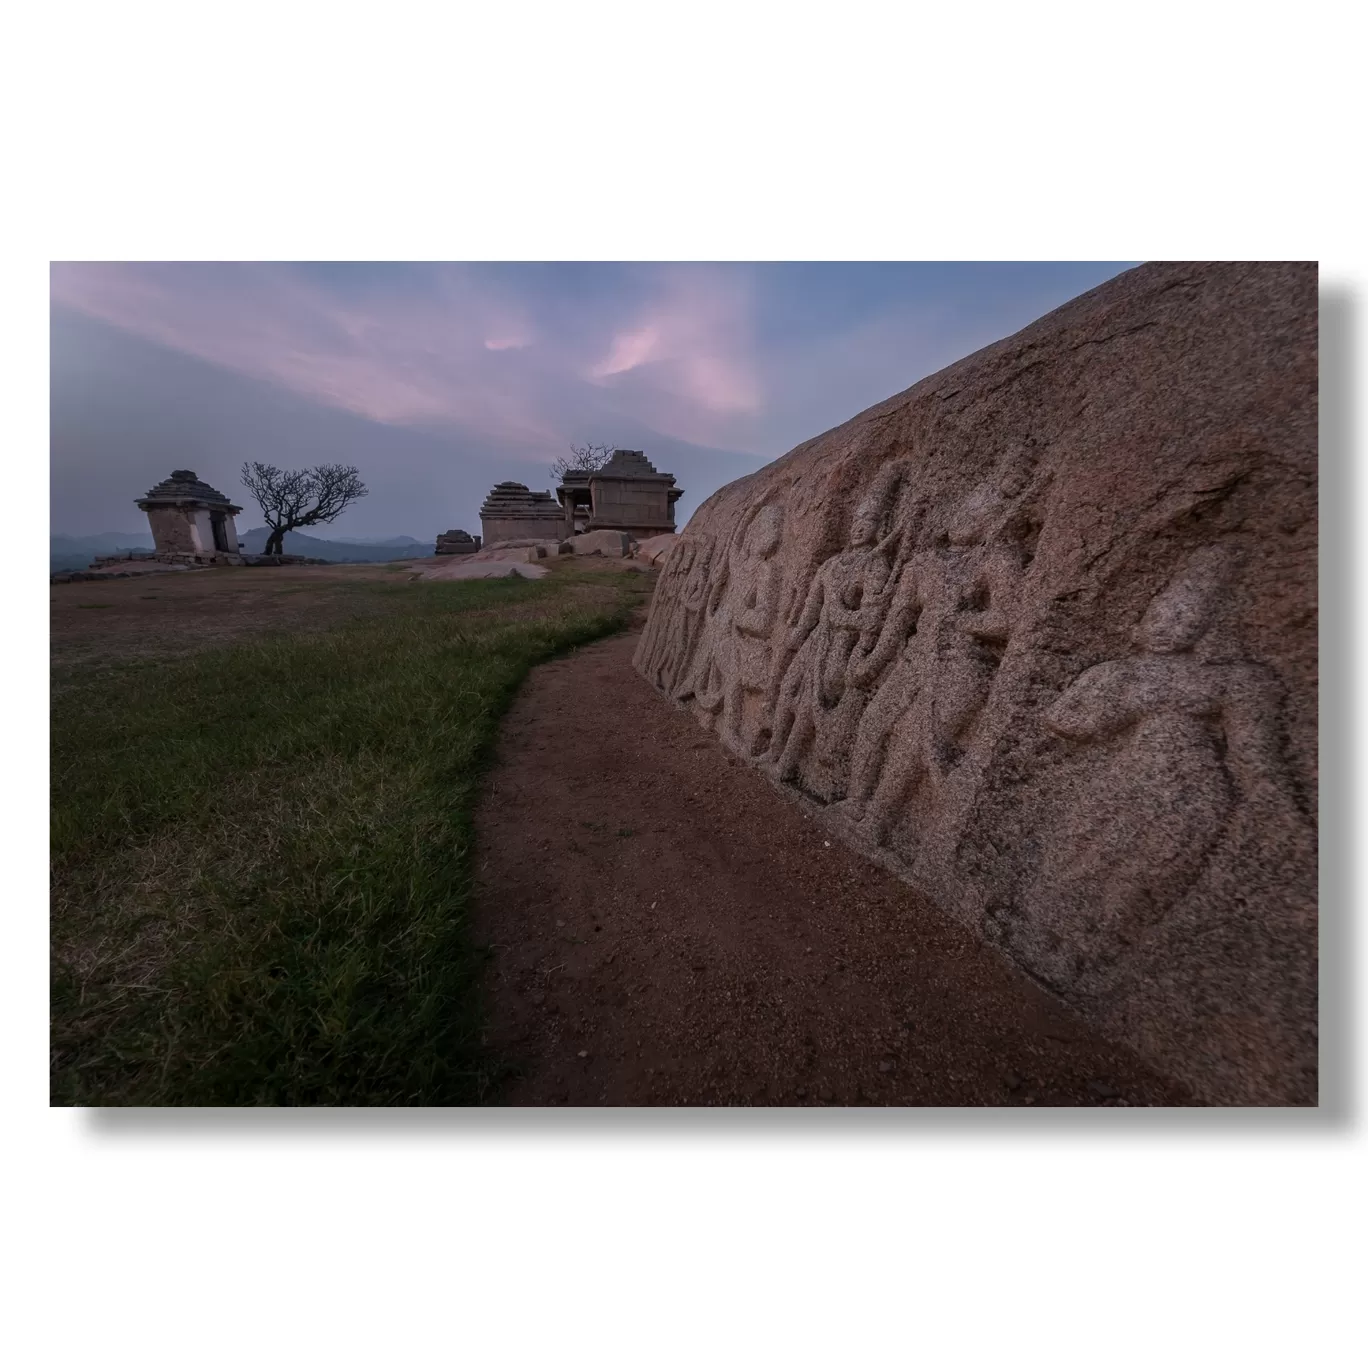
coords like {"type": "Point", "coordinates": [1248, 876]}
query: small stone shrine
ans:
{"type": "Point", "coordinates": [627, 495]}
{"type": "Point", "coordinates": [457, 543]}
{"type": "Point", "coordinates": [513, 512]}
{"type": "Point", "coordinates": [192, 523]}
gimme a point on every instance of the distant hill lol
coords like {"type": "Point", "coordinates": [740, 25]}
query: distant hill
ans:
{"type": "Point", "coordinates": [101, 542]}
{"type": "Point", "coordinates": [368, 549]}
{"type": "Point", "coordinates": [76, 553]}
{"type": "Point", "coordinates": [386, 541]}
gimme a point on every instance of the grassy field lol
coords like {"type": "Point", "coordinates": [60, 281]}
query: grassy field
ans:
{"type": "Point", "coordinates": [261, 835]}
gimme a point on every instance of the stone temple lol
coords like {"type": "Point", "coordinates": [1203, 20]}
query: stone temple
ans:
{"type": "Point", "coordinates": [191, 521]}
{"type": "Point", "coordinates": [626, 495]}
{"type": "Point", "coordinates": [512, 512]}
{"type": "Point", "coordinates": [457, 542]}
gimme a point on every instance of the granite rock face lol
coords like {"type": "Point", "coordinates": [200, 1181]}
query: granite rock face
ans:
{"type": "Point", "coordinates": [1040, 635]}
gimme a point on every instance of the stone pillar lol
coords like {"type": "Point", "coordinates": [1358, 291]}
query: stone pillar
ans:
{"type": "Point", "coordinates": [202, 532]}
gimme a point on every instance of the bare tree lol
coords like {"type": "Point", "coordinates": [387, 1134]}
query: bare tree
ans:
{"type": "Point", "coordinates": [300, 498]}
{"type": "Point", "coordinates": [585, 458]}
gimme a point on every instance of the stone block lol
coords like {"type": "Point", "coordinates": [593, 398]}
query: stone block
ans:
{"type": "Point", "coordinates": [601, 543]}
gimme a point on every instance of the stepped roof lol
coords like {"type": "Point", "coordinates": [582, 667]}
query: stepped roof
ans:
{"type": "Point", "coordinates": [185, 487]}
{"type": "Point", "coordinates": [622, 465]}
{"type": "Point", "coordinates": [628, 465]}
{"type": "Point", "coordinates": [509, 499]}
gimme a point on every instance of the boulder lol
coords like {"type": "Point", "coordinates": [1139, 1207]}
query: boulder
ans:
{"type": "Point", "coordinates": [602, 543]}
{"type": "Point", "coordinates": [654, 549]}
{"type": "Point", "coordinates": [1039, 634]}
{"type": "Point", "coordinates": [547, 549]}
{"type": "Point", "coordinates": [519, 552]}
{"type": "Point", "coordinates": [512, 544]}
{"type": "Point", "coordinates": [469, 567]}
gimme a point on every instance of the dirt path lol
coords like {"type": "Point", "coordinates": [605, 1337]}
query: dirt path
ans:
{"type": "Point", "coordinates": [668, 929]}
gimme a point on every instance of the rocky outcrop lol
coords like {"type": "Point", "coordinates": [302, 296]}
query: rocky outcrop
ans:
{"type": "Point", "coordinates": [473, 567]}
{"type": "Point", "coordinates": [1040, 635]}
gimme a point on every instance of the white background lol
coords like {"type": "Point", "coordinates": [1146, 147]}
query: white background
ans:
{"type": "Point", "coordinates": [712, 131]}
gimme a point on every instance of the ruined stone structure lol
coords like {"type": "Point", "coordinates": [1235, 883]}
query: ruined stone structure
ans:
{"type": "Point", "coordinates": [192, 523]}
{"type": "Point", "coordinates": [1040, 635]}
{"type": "Point", "coordinates": [513, 512]}
{"type": "Point", "coordinates": [626, 495]}
{"type": "Point", "coordinates": [457, 543]}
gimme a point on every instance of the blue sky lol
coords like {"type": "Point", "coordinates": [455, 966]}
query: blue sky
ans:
{"type": "Point", "coordinates": [438, 380]}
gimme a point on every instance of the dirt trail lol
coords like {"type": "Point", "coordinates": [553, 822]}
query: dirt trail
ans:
{"type": "Point", "coordinates": [668, 929]}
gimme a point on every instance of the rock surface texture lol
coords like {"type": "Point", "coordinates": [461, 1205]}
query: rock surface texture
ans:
{"type": "Point", "coordinates": [654, 549]}
{"type": "Point", "coordinates": [1039, 634]}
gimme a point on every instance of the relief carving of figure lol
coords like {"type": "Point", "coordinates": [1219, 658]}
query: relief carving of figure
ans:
{"type": "Point", "coordinates": [947, 626]}
{"type": "Point", "coordinates": [662, 641]}
{"type": "Point", "coordinates": [814, 712]}
{"type": "Point", "coordinates": [693, 600]}
{"type": "Point", "coordinates": [745, 616]}
{"type": "Point", "coordinates": [1201, 735]}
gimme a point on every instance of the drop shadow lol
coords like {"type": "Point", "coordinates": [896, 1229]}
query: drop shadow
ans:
{"type": "Point", "coordinates": [789, 1123]}
{"type": "Point", "coordinates": [1338, 500]}
{"type": "Point", "coordinates": [1337, 1110]}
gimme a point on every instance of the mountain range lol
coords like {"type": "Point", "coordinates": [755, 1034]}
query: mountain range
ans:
{"type": "Point", "coordinates": [76, 553]}
{"type": "Point", "coordinates": [369, 549]}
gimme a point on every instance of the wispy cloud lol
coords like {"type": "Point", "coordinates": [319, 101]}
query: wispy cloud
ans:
{"type": "Point", "coordinates": [511, 363]}
{"type": "Point", "coordinates": [458, 351]}
{"type": "Point", "coordinates": [694, 340]}
{"type": "Point", "coordinates": [413, 359]}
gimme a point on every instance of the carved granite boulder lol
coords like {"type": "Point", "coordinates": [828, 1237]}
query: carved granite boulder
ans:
{"type": "Point", "coordinates": [1040, 635]}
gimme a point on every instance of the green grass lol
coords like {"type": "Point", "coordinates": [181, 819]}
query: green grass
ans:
{"type": "Point", "coordinates": [261, 854]}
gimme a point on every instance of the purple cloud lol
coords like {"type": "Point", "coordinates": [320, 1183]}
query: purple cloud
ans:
{"type": "Point", "coordinates": [721, 366]}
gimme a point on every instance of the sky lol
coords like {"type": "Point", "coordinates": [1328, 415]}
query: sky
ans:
{"type": "Point", "coordinates": [439, 380]}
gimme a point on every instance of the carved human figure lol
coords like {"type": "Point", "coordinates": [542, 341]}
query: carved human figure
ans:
{"type": "Point", "coordinates": [739, 659]}
{"type": "Point", "coordinates": [1201, 734]}
{"type": "Point", "coordinates": [948, 623]}
{"type": "Point", "coordinates": [842, 612]}
{"type": "Point", "coordinates": [662, 640]}
{"type": "Point", "coordinates": [693, 600]}
{"type": "Point", "coordinates": [667, 644]}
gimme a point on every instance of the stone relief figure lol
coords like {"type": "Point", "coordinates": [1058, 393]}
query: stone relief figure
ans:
{"type": "Point", "coordinates": [946, 628]}
{"type": "Point", "coordinates": [689, 616]}
{"type": "Point", "coordinates": [1200, 733]}
{"type": "Point", "coordinates": [747, 609]}
{"type": "Point", "coordinates": [663, 640]}
{"type": "Point", "coordinates": [842, 613]}
{"type": "Point", "coordinates": [660, 639]}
